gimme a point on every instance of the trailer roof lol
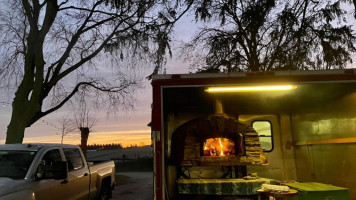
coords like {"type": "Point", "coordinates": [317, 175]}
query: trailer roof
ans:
{"type": "Point", "coordinates": [287, 73]}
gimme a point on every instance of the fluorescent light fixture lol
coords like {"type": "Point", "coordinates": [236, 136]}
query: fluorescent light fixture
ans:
{"type": "Point", "coordinates": [251, 88]}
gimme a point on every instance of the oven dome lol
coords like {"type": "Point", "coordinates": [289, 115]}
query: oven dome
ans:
{"type": "Point", "coordinates": [187, 146]}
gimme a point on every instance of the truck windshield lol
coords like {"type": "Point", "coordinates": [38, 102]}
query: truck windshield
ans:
{"type": "Point", "coordinates": [14, 164]}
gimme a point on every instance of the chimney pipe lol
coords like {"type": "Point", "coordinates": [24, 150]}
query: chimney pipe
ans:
{"type": "Point", "coordinates": [218, 107]}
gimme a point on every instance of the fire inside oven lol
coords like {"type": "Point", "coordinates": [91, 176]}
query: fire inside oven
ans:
{"type": "Point", "coordinates": [219, 147]}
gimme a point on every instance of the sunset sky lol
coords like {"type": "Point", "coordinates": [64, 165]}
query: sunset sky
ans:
{"type": "Point", "coordinates": [127, 128]}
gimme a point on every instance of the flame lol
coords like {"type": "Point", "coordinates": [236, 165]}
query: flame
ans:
{"type": "Point", "coordinates": [221, 148]}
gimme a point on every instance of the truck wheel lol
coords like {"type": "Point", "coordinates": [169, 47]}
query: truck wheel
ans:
{"type": "Point", "coordinates": [104, 193]}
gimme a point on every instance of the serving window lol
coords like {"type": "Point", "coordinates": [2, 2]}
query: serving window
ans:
{"type": "Point", "coordinates": [264, 130]}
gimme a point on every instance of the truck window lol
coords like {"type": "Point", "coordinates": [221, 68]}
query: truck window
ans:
{"type": "Point", "coordinates": [264, 130]}
{"type": "Point", "coordinates": [51, 157]}
{"type": "Point", "coordinates": [73, 158]}
{"type": "Point", "coordinates": [48, 161]}
{"type": "Point", "coordinates": [14, 164]}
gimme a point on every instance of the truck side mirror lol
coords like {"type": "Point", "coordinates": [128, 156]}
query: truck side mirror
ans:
{"type": "Point", "coordinates": [60, 170]}
{"type": "Point", "coordinates": [90, 164]}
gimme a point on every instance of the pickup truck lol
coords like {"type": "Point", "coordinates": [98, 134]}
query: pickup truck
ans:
{"type": "Point", "coordinates": [52, 171]}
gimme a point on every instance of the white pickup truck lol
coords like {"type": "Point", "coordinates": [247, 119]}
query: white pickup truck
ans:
{"type": "Point", "coordinates": [52, 171]}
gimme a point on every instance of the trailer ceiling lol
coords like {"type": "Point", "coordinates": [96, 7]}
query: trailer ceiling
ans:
{"type": "Point", "coordinates": [306, 97]}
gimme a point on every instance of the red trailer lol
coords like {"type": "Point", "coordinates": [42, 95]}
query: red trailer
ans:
{"type": "Point", "coordinates": [211, 130]}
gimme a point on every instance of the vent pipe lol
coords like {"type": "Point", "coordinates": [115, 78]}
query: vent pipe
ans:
{"type": "Point", "coordinates": [218, 107]}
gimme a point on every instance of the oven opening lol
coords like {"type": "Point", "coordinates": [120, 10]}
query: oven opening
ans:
{"type": "Point", "coordinates": [219, 147]}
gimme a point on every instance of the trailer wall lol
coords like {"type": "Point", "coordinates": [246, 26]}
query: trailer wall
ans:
{"type": "Point", "coordinates": [325, 143]}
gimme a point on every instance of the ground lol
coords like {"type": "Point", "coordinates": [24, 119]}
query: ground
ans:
{"type": "Point", "coordinates": [139, 186]}
{"type": "Point", "coordinates": [134, 175]}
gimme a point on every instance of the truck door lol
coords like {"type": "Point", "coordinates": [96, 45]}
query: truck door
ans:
{"type": "Point", "coordinates": [78, 175]}
{"type": "Point", "coordinates": [48, 188]}
{"type": "Point", "coordinates": [276, 146]}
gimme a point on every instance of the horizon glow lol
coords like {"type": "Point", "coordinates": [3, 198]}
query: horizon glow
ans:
{"type": "Point", "coordinates": [125, 138]}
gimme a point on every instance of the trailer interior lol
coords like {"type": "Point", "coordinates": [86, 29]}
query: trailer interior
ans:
{"type": "Point", "coordinates": [307, 134]}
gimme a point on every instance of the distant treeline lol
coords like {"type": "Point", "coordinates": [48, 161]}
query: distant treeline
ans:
{"type": "Point", "coordinates": [104, 146]}
{"type": "Point", "coordinates": [132, 146]}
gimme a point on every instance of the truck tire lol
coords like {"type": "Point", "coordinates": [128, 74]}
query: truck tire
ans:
{"type": "Point", "coordinates": [104, 193]}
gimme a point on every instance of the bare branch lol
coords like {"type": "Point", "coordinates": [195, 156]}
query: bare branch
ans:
{"type": "Point", "coordinates": [95, 85]}
{"type": "Point", "coordinates": [71, 44]}
{"type": "Point", "coordinates": [63, 3]}
{"type": "Point", "coordinates": [28, 12]}
{"type": "Point", "coordinates": [88, 10]}
{"type": "Point", "coordinates": [51, 12]}
{"type": "Point", "coordinates": [58, 77]}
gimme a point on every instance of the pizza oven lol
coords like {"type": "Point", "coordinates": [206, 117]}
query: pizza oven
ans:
{"type": "Point", "coordinates": [209, 157]}
{"type": "Point", "coordinates": [216, 140]}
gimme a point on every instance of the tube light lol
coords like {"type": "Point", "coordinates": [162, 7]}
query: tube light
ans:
{"type": "Point", "coordinates": [251, 88]}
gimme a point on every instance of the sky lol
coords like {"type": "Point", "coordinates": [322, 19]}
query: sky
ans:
{"type": "Point", "coordinates": [127, 128]}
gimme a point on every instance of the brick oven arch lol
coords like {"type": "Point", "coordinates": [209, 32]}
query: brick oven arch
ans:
{"type": "Point", "coordinates": [187, 139]}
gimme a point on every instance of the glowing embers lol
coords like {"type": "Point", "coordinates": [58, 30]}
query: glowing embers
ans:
{"type": "Point", "coordinates": [219, 147]}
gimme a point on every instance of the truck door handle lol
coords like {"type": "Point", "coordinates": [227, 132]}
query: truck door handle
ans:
{"type": "Point", "coordinates": [86, 174]}
{"type": "Point", "coordinates": [64, 181]}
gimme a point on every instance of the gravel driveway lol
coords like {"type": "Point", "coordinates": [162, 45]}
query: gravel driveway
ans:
{"type": "Point", "coordinates": [139, 187]}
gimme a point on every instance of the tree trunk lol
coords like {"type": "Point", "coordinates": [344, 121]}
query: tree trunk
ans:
{"type": "Point", "coordinates": [254, 62]}
{"type": "Point", "coordinates": [15, 130]}
{"type": "Point", "coordinates": [26, 107]}
{"type": "Point", "coordinates": [84, 133]}
{"type": "Point", "coordinates": [20, 119]}
{"type": "Point", "coordinates": [23, 113]}
{"type": "Point", "coordinates": [62, 137]}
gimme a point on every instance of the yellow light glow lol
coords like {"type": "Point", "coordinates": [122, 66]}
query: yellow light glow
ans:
{"type": "Point", "coordinates": [251, 88]}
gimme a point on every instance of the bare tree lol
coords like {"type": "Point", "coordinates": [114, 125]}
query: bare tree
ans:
{"type": "Point", "coordinates": [84, 121]}
{"type": "Point", "coordinates": [66, 127]}
{"type": "Point", "coordinates": [48, 49]}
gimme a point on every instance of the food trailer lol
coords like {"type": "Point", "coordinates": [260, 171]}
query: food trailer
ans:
{"type": "Point", "coordinates": [223, 135]}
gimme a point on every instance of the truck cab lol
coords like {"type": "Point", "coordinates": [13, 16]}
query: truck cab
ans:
{"type": "Point", "coordinates": [52, 171]}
